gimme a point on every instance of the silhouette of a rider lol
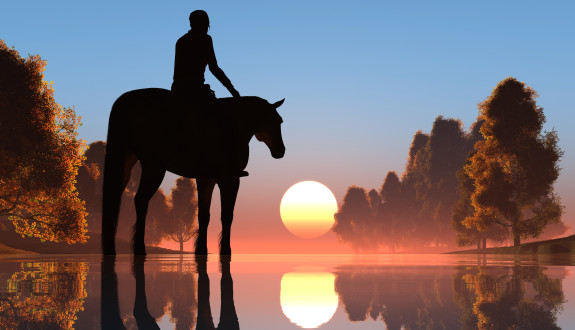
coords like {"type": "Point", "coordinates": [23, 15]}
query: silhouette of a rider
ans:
{"type": "Point", "coordinates": [195, 51]}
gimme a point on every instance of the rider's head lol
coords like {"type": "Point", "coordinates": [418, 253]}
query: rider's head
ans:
{"type": "Point", "coordinates": [199, 21]}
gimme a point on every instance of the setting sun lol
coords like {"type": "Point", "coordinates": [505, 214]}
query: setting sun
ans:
{"type": "Point", "coordinates": [307, 209]}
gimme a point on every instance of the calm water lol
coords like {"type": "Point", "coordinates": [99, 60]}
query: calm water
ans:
{"type": "Point", "coordinates": [288, 292]}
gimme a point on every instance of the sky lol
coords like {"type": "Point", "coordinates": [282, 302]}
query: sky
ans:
{"type": "Point", "coordinates": [359, 79]}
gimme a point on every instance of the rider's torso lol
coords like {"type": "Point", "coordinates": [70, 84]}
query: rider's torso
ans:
{"type": "Point", "coordinates": [192, 56]}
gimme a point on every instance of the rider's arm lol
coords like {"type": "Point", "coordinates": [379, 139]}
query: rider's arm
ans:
{"type": "Point", "coordinates": [217, 72]}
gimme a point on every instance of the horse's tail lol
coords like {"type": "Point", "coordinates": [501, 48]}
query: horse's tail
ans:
{"type": "Point", "coordinates": [117, 168]}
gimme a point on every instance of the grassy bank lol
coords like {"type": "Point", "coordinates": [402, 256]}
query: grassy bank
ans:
{"type": "Point", "coordinates": [14, 244]}
{"type": "Point", "coordinates": [552, 246]}
{"type": "Point", "coordinates": [4, 249]}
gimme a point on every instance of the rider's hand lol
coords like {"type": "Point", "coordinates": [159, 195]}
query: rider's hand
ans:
{"type": "Point", "coordinates": [234, 92]}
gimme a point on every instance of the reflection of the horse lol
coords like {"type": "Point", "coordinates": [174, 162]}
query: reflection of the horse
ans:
{"type": "Point", "coordinates": [110, 309]}
{"type": "Point", "coordinates": [228, 316]}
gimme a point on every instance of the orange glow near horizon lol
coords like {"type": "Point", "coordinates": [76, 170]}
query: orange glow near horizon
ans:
{"type": "Point", "coordinates": [307, 209]}
{"type": "Point", "coordinates": [308, 299]}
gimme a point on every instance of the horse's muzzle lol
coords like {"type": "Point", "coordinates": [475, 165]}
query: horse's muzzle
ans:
{"type": "Point", "coordinates": [277, 154]}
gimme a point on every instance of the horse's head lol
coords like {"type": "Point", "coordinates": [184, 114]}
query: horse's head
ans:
{"type": "Point", "coordinates": [269, 131]}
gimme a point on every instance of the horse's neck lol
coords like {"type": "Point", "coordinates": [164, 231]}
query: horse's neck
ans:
{"type": "Point", "coordinates": [246, 117]}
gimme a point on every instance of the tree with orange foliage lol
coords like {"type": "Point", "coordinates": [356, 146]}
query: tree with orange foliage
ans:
{"type": "Point", "coordinates": [515, 166]}
{"type": "Point", "coordinates": [40, 152]}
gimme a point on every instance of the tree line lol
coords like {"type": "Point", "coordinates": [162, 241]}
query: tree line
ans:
{"type": "Point", "coordinates": [492, 182]}
{"type": "Point", "coordinates": [170, 217]}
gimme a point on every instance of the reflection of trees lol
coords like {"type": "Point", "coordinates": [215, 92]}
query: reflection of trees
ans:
{"type": "Point", "coordinates": [402, 298]}
{"type": "Point", "coordinates": [45, 295]}
{"type": "Point", "coordinates": [476, 297]}
{"type": "Point", "coordinates": [508, 297]}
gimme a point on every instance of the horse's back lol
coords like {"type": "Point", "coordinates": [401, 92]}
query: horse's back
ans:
{"type": "Point", "coordinates": [142, 97]}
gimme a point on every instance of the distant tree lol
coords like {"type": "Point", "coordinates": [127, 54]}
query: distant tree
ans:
{"type": "Point", "coordinates": [374, 199]}
{"type": "Point", "coordinates": [514, 168]}
{"type": "Point", "coordinates": [355, 221]}
{"type": "Point", "coordinates": [446, 151]}
{"type": "Point", "coordinates": [429, 182]}
{"type": "Point", "coordinates": [89, 183]}
{"type": "Point", "coordinates": [40, 152]}
{"type": "Point", "coordinates": [393, 225]}
{"type": "Point", "coordinates": [412, 185]}
{"type": "Point", "coordinates": [181, 224]}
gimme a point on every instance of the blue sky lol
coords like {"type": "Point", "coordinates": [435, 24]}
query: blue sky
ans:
{"type": "Point", "coordinates": [359, 77]}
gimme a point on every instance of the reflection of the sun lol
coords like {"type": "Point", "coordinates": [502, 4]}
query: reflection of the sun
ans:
{"type": "Point", "coordinates": [308, 299]}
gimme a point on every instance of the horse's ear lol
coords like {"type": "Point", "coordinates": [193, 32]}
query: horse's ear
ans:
{"type": "Point", "coordinates": [278, 103]}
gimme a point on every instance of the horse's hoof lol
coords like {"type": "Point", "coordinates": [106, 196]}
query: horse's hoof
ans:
{"type": "Point", "coordinates": [140, 252]}
{"type": "Point", "coordinates": [201, 251]}
{"type": "Point", "coordinates": [226, 251]}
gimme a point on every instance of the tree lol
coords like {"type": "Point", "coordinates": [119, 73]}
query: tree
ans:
{"type": "Point", "coordinates": [355, 221]}
{"type": "Point", "coordinates": [89, 184]}
{"type": "Point", "coordinates": [393, 226]}
{"type": "Point", "coordinates": [515, 166]}
{"type": "Point", "coordinates": [40, 152]}
{"type": "Point", "coordinates": [181, 224]}
{"type": "Point", "coordinates": [463, 208]}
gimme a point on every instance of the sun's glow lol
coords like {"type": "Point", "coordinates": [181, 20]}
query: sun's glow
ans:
{"type": "Point", "coordinates": [308, 299]}
{"type": "Point", "coordinates": [307, 209]}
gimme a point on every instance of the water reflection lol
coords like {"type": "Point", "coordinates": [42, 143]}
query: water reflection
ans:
{"type": "Point", "coordinates": [170, 292]}
{"type": "Point", "coordinates": [36, 295]}
{"type": "Point", "coordinates": [228, 316]}
{"type": "Point", "coordinates": [464, 297]}
{"type": "Point", "coordinates": [520, 297]}
{"type": "Point", "coordinates": [402, 297]}
{"type": "Point", "coordinates": [308, 299]}
{"type": "Point", "coordinates": [182, 304]}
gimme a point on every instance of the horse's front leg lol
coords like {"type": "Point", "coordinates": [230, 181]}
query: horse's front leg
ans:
{"type": "Point", "coordinates": [205, 190]}
{"type": "Point", "coordinates": [228, 193]}
{"type": "Point", "coordinates": [149, 183]}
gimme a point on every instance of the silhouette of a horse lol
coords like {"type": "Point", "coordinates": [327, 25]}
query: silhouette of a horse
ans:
{"type": "Point", "coordinates": [149, 126]}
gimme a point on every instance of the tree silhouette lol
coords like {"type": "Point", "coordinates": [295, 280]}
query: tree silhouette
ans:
{"type": "Point", "coordinates": [354, 221]}
{"type": "Point", "coordinates": [394, 227]}
{"type": "Point", "coordinates": [89, 183]}
{"type": "Point", "coordinates": [447, 152]}
{"type": "Point", "coordinates": [181, 224]}
{"type": "Point", "coordinates": [40, 154]}
{"type": "Point", "coordinates": [514, 168]}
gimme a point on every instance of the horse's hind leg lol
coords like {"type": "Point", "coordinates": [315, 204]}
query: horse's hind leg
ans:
{"type": "Point", "coordinates": [205, 190]}
{"type": "Point", "coordinates": [149, 183]}
{"type": "Point", "coordinates": [228, 193]}
{"type": "Point", "coordinates": [116, 177]}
